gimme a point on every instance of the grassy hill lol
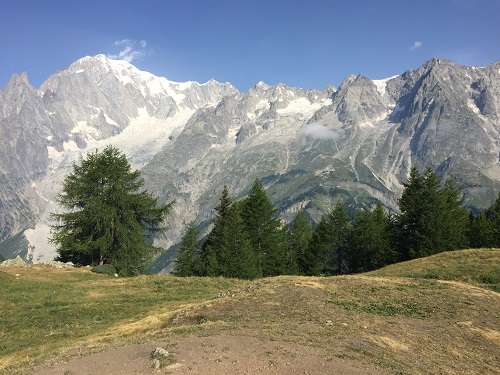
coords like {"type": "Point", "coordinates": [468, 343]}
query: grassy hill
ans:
{"type": "Point", "coordinates": [427, 316]}
{"type": "Point", "coordinates": [479, 267]}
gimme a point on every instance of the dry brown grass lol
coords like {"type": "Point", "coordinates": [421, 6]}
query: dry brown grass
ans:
{"type": "Point", "coordinates": [399, 324]}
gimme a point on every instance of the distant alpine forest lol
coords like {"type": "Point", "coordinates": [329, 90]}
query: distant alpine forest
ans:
{"type": "Point", "coordinates": [248, 240]}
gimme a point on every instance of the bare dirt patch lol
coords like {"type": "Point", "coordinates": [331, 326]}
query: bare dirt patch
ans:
{"type": "Point", "coordinates": [215, 355]}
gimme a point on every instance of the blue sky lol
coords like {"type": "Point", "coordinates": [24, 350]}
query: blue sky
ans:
{"type": "Point", "coordinates": [307, 43]}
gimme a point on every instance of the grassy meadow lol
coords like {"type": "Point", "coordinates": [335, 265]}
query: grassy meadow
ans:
{"type": "Point", "coordinates": [434, 315]}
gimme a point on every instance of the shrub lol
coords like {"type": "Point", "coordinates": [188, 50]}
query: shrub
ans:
{"type": "Point", "coordinates": [107, 269]}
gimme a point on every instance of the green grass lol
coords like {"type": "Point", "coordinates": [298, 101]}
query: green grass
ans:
{"type": "Point", "coordinates": [480, 267]}
{"type": "Point", "coordinates": [401, 307]}
{"type": "Point", "coordinates": [44, 310]}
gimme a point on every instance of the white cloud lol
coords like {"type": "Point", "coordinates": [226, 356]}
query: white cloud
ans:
{"type": "Point", "coordinates": [319, 131]}
{"type": "Point", "coordinates": [416, 45]}
{"type": "Point", "coordinates": [130, 49]}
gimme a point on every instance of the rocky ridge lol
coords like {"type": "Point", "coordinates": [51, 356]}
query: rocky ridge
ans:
{"type": "Point", "coordinates": [309, 147]}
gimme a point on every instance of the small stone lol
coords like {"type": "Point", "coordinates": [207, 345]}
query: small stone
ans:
{"type": "Point", "coordinates": [161, 352]}
{"type": "Point", "coordinates": [17, 262]}
{"type": "Point", "coordinates": [156, 364]}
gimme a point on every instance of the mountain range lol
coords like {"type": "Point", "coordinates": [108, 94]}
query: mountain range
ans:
{"type": "Point", "coordinates": [309, 147]}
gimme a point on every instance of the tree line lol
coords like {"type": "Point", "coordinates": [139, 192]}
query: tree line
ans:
{"type": "Point", "coordinates": [109, 219]}
{"type": "Point", "coordinates": [249, 241]}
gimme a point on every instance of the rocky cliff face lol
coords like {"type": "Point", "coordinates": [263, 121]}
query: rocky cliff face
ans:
{"type": "Point", "coordinates": [94, 102]}
{"type": "Point", "coordinates": [23, 153]}
{"type": "Point", "coordinates": [309, 147]}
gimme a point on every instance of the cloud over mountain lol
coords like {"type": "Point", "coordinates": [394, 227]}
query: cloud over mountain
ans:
{"type": "Point", "coordinates": [131, 49]}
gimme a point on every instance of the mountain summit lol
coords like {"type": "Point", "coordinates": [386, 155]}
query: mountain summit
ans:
{"type": "Point", "coordinates": [308, 147]}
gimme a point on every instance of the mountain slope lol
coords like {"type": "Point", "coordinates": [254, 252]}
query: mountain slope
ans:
{"type": "Point", "coordinates": [23, 153]}
{"type": "Point", "coordinates": [358, 142]}
{"type": "Point", "coordinates": [309, 147]}
{"type": "Point", "coordinates": [95, 102]}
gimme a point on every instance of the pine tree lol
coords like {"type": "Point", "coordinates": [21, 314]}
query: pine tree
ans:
{"type": "Point", "coordinates": [187, 261]}
{"type": "Point", "coordinates": [236, 256]}
{"type": "Point", "coordinates": [340, 226]}
{"type": "Point", "coordinates": [432, 217]}
{"type": "Point", "coordinates": [299, 238]}
{"type": "Point", "coordinates": [265, 231]}
{"type": "Point", "coordinates": [412, 209]}
{"type": "Point", "coordinates": [108, 217]}
{"type": "Point", "coordinates": [328, 251]}
{"type": "Point", "coordinates": [383, 251]}
{"type": "Point", "coordinates": [369, 242]}
{"type": "Point", "coordinates": [455, 218]}
{"type": "Point", "coordinates": [314, 261]}
{"type": "Point", "coordinates": [481, 231]}
{"type": "Point", "coordinates": [493, 214]}
{"type": "Point", "coordinates": [210, 252]}
{"type": "Point", "coordinates": [429, 235]}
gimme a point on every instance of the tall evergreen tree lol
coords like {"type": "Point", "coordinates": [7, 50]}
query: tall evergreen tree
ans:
{"type": "Point", "coordinates": [429, 234]}
{"type": "Point", "coordinates": [210, 252]}
{"type": "Point", "coordinates": [299, 238]}
{"type": "Point", "coordinates": [493, 214]}
{"type": "Point", "coordinates": [432, 217]}
{"type": "Point", "coordinates": [236, 256]}
{"type": "Point", "coordinates": [340, 226]}
{"type": "Point", "coordinates": [481, 231]}
{"type": "Point", "coordinates": [188, 257]}
{"type": "Point", "coordinates": [314, 261]}
{"type": "Point", "coordinates": [455, 218]}
{"type": "Point", "coordinates": [411, 205]}
{"type": "Point", "coordinates": [266, 236]}
{"type": "Point", "coordinates": [108, 216]}
{"type": "Point", "coordinates": [369, 243]}
{"type": "Point", "coordinates": [328, 250]}
{"type": "Point", "coordinates": [383, 249]}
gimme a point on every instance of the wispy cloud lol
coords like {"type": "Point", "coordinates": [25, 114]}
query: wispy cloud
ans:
{"type": "Point", "coordinates": [319, 131]}
{"type": "Point", "coordinates": [416, 46]}
{"type": "Point", "coordinates": [130, 49]}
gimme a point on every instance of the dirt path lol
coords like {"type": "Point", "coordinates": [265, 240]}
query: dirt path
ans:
{"type": "Point", "coordinates": [215, 355]}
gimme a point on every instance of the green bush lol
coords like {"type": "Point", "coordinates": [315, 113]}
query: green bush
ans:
{"type": "Point", "coordinates": [107, 269]}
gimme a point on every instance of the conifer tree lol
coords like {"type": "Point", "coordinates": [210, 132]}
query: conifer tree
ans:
{"type": "Point", "coordinates": [210, 252]}
{"type": "Point", "coordinates": [455, 218]}
{"type": "Point", "coordinates": [493, 214]}
{"type": "Point", "coordinates": [409, 221]}
{"type": "Point", "coordinates": [108, 216]}
{"type": "Point", "coordinates": [328, 251]}
{"type": "Point", "coordinates": [314, 261]}
{"type": "Point", "coordinates": [383, 249]}
{"type": "Point", "coordinates": [340, 226]}
{"type": "Point", "coordinates": [369, 243]}
{"type": "Point", "coordinates": [432, 217]}
{"type": "Point", "coordinates": [266, 236]}
{"type": "Point", "coordinates": [236, 256]}
{"type": "Point", "coordinates": [187, 261]}
{"type": "Point", "coordinates": [299, 238]}
{"type": "Point", "coordinates": [481, 232]}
